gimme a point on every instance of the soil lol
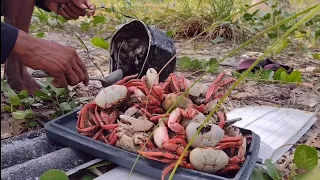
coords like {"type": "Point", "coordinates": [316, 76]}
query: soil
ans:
{"type": "Point", "coordinates": [249, 93]}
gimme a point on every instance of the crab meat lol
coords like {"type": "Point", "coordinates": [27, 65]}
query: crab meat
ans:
{"type": "Point", "coordinates": [135, 124]}
{"type": "Point", "coordinates": [208, 160]}
{"type": "Point", "coordinates": [205, 138]}
{"type": "Point", "coordinates": [110, 96]}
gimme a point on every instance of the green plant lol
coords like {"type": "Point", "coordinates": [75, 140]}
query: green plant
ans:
{"type": "Point", "coordinates": [305, 163]}
{"type": "Point", "coordinates": [54, 174]}
{"type": "Point", "coordinates": [19, 104]}
{"type": "Point", "coordinates": [186, 63]}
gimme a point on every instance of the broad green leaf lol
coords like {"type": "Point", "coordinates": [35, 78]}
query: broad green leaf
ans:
{"type": "Point", "coordinates": [267, 74]}
{"type": "Point", "coordinates": [42, 95]}
{"type": "Point", "coordinates": [23, 94]}
{"type": "Point", "coordinates": [62, 19]}
{"type": "Point", "coordinates": [98, 20]}
{"type": "Point", "coordinates": [40, 34]}
{"type": "Point", "coordinates": [247, 17]}
{"type": "Point", "coordinates": [195, 64]}
{"type": "Point", "coordinates": [217, 40]}
{"type": "Point", "coordinates": [58, 91]}
{"type": "Point", "coordinates": [259, 173]}
{"type": "Point", "coordinates": [316, 56]}
{"type": "Point", "coordinates": [306, 157]}
{"type": "Point", "coordinates": [272, 171]}
{"type": "Point", "coordinates": [277, 74]}
{"type": "Point", "coordinates": [6, 108]}
{"type": "Point", "coordinates": [266, 17]}
{"type": "Point", "coordinates": [184, 62]}
{"type": "Point", "coordinates": [284, 76]}
{"type": "Point", "coordinates": [85, 26]}
{"type": "Point", "coordinates": [65, 106]}
{"type": "Point", "coordinates": [32, 123]}
{"type": "Point", "coordinates": [54, 174]}
{"type": "Point", "coordinates": [14, 99]}
{"type": "Point", "coordinates": [27, 101]}
{"type": "Point", "coordinates": [212, 61]}
{"type": "Point", "coordinates": [295, 76]}
{"type": "Point", "coordinates": [235, 74]}
{"type": "Point", "coordinates": [18, 115]}
{"type": "Point", "coordinates": [29, 114]}
{"type": "Point", "coordinates": [97, 41]}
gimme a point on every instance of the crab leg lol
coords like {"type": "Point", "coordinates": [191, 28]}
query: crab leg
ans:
{"type": "Point", "coordinates": [171, 166]}
{"type": "Point", "coordinates": [125, 79]}
{"type": "Point", "coordinates": [222, 119]}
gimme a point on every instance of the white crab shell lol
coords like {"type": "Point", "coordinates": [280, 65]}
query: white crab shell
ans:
{"type": "Point", "coordinates": [152, 77]}
{"type": "Point", "coordinates": [208, 139]}
{"type": "Point", "coordinates": [111, 95]}
{"type": "Point", "coordinates": [208, 160]}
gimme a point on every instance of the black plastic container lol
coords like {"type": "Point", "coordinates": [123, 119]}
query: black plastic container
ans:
{"type": "Point", "coordinates": [136, 47]}
{"type": "Point", "coordinates": [63, 130]}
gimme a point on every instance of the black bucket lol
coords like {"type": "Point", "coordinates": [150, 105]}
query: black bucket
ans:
{"type": "Point", "coordinates": [136, 47]}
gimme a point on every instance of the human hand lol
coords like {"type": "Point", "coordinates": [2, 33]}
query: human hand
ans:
{"type": "Point", "coordinates": [81, 4]}
{"type": "Point", "coordinates": [60, 62]}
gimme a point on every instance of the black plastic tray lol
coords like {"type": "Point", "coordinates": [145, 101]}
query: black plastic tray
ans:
{"type": "Point", "coordinates": [63, 130]}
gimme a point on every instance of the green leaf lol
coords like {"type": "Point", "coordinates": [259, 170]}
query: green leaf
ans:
{"type": "Point", "coordinates": [23, 94]}
{"type": "Point", "coordinates": [6, 108]}
{"type": "Point", "coordinates": [62, 19]}
{"type": "Point", "coordinates": [266, 17]}
{"type": "Point", "coordinates": [29, 114]}
{"type": "Point", "coordinates": [259, 173]}
{"type": "Point", "coordinates": [85, 26]}
{"type": "Point", "coordinates": [98, 20]}
{"type": "Point", "coordinates": [65, 106]}
{"type": "Point", "coordinates": [27, 101]}
{"type": "Point", "coordinates": [316, 56]}
{"type": "Point", "coordinates": [86, 177]}
{"type": "Point", "coordinates": [14, 99]}
{"type": "Point", "coordinates": [272, 171]}
{"type": "Point", "coordinates": [18, 115]}
{"type": "Point", "coordinates": [40, 34]}
{"type": "Point", "coordinates": [97, 41]}
{"type": "Point", "coordinates": [170, 33]}
{"type": "Point", "coordinates": [184, 62]}
{"type": "Point", "coordinates": [306, 157]}
{"type": "Point", "coordinates": [284, 76]}
{"type": "Point", "coordinates": [42, 95]}
{"type": "Point", "coordinates": [295, 76]}
{"type": "Point", "coordinates": [267, 74]}
{"type": "Point", "coordinates": [247, 17]}
{"type": "Point", "coordinates": [272, 35]}
{"type": "Point", "coordinates": [195, 64]}
{"type": "Point", "coordinates": [33, 123]}
{"type": "Point", "coordinates": [217, 40]}
{"type": "Point", "coordinates": [277, 74]}
{"type": "Point", "coordinates": [54, 174]}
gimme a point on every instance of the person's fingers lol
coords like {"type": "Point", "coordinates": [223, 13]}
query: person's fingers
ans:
{"type": "Point", "coordinates": [92, 9]}
{"type": "Point", "coordinates": [67, 10]}
{"type": "Point", "coordinates": [80, 4]}
{"type": "Point", "coordinates": [63, 14]}
{"type": "Point", "coordinates": [76, 10]}
{"type": "Point", "coordinates": [84, 70]}
{"type": "Point", "coordinates": [72, 78]}
{"type": "Point", "coordinates": [77, 70]}
{"type": "Point", "coordinates": [60, 82]}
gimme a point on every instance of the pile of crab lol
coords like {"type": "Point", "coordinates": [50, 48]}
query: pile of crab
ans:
{"type": "Point", "coordinates": [131, 115]}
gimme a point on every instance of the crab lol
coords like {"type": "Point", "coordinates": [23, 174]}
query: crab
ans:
{"type": "Point", "coordinates": [132, 141]}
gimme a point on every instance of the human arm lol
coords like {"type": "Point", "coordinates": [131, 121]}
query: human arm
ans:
{"type": "Point", "coordinates": [61, 62]}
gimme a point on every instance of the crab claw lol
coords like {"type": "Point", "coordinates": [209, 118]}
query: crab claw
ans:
{"type": "Point", "coordinates": [111, 96]}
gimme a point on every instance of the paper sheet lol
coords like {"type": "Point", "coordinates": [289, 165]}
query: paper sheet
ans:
{"type": "Point", "coordinates": [275, 126]}
{"type": "Point", "coordinates": [121, 173]}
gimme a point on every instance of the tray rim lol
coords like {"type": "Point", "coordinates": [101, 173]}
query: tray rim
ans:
{"type": "Point", "coordinates": [55, 128]}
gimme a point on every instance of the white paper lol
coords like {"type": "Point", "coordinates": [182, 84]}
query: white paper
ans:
{"type": "Point", "coordinates": [121, 173]}
{"type": "Point", "coordinates": [275, 126]}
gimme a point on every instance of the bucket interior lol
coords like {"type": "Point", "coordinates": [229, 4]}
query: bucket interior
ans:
{"type": "Point", "coordinates": [129, 48]}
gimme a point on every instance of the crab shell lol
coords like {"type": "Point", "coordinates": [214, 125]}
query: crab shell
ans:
{"type": "Point", "coordinates": [199, 117]}
{"type": "Point", "coordinates": [208, 160]}
{"type": "Point", "coordinates": [160, 134]}
{"type": "Point", "coordinates": [152, 77]}
{"type": "Point", "coordinates": [110, 96]}
{"type": "Point", "coordinates": [197, 89]}
{"type": "Point", "coordinates": [207, 139]}
{"type": "Point", "coordinates": [136, 125]}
